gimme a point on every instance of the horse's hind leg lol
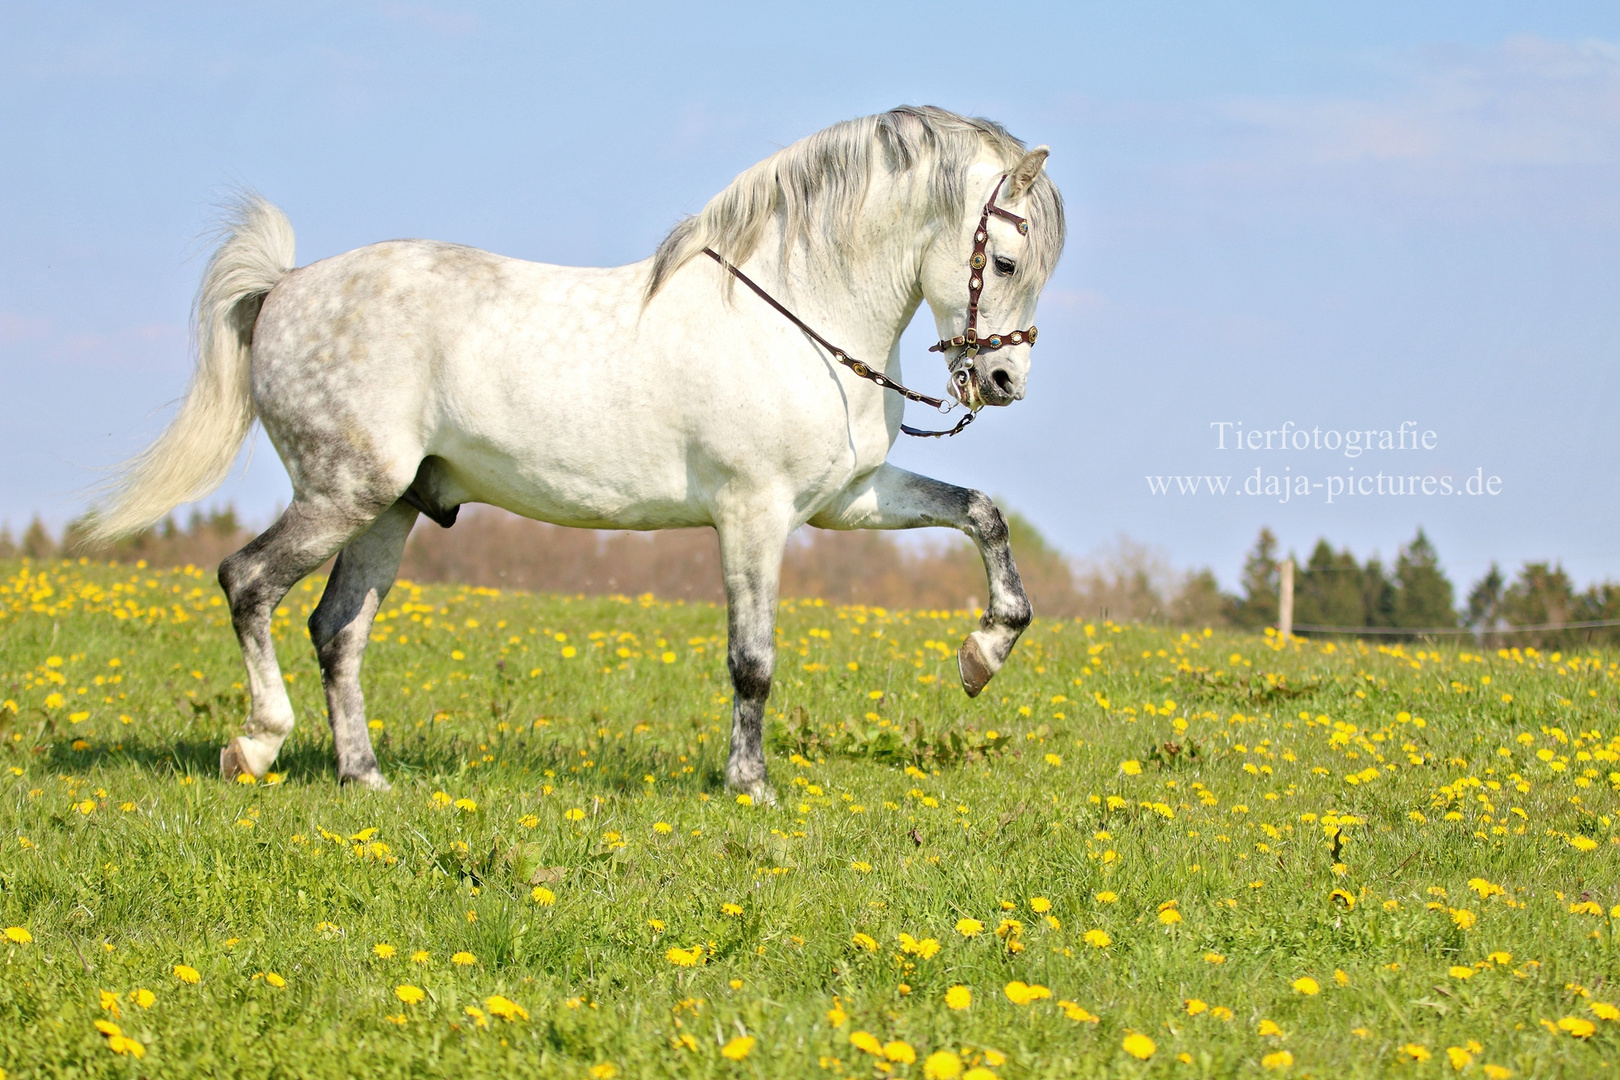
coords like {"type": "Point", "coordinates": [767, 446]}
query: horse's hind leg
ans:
{"type": "Point", "coordinates": [255, 579]}
{"type": "Point", "coordinates": [340, 628]}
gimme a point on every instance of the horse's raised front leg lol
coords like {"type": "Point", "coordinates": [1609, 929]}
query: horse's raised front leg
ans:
{"type": "Point", "coordinates": [892, 498]}
{"type": "Point", "coordinates": [340, 628]}
{"type": "Point", "coordinates": [751, 560]}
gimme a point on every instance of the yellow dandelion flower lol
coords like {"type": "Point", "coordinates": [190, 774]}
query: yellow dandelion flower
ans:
{"type": "Point", "coordinates": [1040, 905]}
{"type": "Point", "coordinates": [574, 814]}
{"type": "Point", "coordinates": [1603, 1010]}
{"type": "Point", "coordinates": [1458, 971]}
{"type": "Point", "coordinates": [1281, 1059]}
{"type": "Point", "coordinates": [731, 909]}
{"type": "Point", "coordinates": [383, 951]}
{"type": "Point", "coordinates": [1098, 938]}
{"type": "Point", "coordinates": [1139, 1046]}
{"type": "Point", "coordinates": [187, 974]}
{"type": "Point", "coordinates": [123, 1044]}
{"type": "Point", "coordinates": [410, 995]}
{"type": "Point", "coordinates": [1307, 986]}
{"type": "Point", "coordinates": [942, 1065]}
{"type": "Point", "coordinates": [965, 927]}
{"type": "Point", "coordinates": [836, 1016]}
{"type": "Point", "coordinates": [464, 959]}
{"type": "Point", "coordinates": [958, 997]}
{"type": "Point", "coordinates": [900, 1051]}
{"type": "Point", "coordinates": [1079, 1015]}
{"type": "Point", "coordinates": [1195, 1006]}
{"type": "Point", "coordinates": [143, 997]}
{"type": "Point", "coordinates": [542, 896]}
{"type": "Point", "coordinates": [1496, 1072]}
{"type": "Point", "coordinates": [1107, 897]}
{"type": "Point", "coordinates": [505, 1008]}
{"type": "Point", "coordinates": [1415, 1052]}
{"type": "Point", "coordinates": [864, 941]}
{"type": "Point", "coordinates": [1578, 1027]}
{"type": "Point", "coordinates": [1268, 1027]}
{"type": "Point", "coordinates": [604, 1071]}
{"type": "Point", "coordinates": [1459, 1057]}
{"type": "Point", "coordinates": [420, 956]}
{"type": "Point", "coordinates": [738, 1048]}
{"type": "Point", "coordinates": [865, 1040]}
{"type": "Point", "coordinates": [274, 980]}
{"type": "Point", "coordinates": [1214, 958]}
{"type": "Point", "coordinates": [1169, 916]}
{"type": "Point", "coordinates": [685, 957]}
{"type": "Point", "coordinates": [18, 935]}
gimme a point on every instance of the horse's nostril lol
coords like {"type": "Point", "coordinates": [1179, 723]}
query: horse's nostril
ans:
{"type": "Point", "coordinates": [1002, 380]}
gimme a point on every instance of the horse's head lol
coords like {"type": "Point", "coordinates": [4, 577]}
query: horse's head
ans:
{"type": "Point", "coordinates": [983, 275]}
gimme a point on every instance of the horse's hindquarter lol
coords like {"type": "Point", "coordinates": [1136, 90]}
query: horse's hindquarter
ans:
{"type": "Point", "coordinates": [550, 390]}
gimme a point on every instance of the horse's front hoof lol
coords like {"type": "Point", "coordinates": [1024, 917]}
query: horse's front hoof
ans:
{"type": "Point", "coordinates": [233, 761]}
{"type": "Point", "coordinates": [970, 664]}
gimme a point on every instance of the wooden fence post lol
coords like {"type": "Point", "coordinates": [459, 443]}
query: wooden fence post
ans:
{"type": "Point", "coordinates": [1285, 606]}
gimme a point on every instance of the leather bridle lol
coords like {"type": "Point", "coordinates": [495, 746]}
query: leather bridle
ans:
{"type": "Point", "coordinates": [969, 340]}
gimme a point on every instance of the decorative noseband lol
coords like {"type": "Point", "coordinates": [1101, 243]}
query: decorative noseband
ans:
{"type": "Point", "coordinates": [970, 338]}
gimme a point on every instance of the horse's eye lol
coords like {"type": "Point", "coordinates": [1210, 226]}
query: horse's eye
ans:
{"type": "Point", "coordinates": [1005, 267]}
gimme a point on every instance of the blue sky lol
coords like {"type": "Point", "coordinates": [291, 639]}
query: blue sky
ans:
{"type": "Point", "coordinates": [1341, 219]}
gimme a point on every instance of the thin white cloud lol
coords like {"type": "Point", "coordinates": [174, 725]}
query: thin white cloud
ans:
{"type": "Point", "coordinates": [1525, 101]}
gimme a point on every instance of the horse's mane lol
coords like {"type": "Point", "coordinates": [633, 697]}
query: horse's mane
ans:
{"type": "Point", "coordinates": [818, 185]}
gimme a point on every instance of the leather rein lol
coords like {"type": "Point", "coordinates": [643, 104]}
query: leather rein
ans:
{"type": "Point", "coordinates": [969, 340]}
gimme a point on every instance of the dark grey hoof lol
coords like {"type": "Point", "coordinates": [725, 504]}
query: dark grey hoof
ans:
{"type": "Point", "coordinates": [970, 664]}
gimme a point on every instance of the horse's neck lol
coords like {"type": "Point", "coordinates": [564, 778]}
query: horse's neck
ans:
{"type": "Point", "coordinates": [863, 296]}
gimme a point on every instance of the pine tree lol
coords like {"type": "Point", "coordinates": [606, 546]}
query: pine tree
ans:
{"type": "Point", "coordinates": [1260, 584]}
{"type": "Point", "coordinates": [1485, 601]}
{"type": "Point", "coordinates": [1328, 589]}
{"type": "Point", "coordinates": [37, 542]}
{"type": "Point", "coordinates": [1424, 596]}
{"type": "Point", "coordinates": [1378, 595]}
{"type": "Point", "coordinates": [1540, 595]}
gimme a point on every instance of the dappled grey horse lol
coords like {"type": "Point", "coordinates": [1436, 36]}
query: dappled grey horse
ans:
{"type": "Point", "coordinates": [412, 376]}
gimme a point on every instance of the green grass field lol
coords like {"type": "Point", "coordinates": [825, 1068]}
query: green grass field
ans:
{"type": "Point", "coordinates": [1140, 853]}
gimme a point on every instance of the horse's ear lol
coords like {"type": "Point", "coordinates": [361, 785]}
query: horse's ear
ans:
{"type": "Point", "coordinates": [1024, 173]}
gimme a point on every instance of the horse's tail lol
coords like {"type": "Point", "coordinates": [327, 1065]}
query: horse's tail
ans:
{"type": "Point", "coordinates": [195, 453]}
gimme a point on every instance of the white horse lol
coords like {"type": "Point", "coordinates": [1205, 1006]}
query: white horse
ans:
{"type": "Point", "coordinates": [414, 376]}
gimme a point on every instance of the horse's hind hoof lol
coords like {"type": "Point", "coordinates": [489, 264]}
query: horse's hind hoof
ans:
{"type": "Point", "coordinates": [970, 664]}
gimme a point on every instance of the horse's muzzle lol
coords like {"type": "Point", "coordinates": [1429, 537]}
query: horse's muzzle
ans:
{"type": "Point", "coordinates": [999, 384]}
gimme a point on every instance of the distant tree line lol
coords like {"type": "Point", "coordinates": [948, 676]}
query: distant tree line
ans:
{"type": "Point", "coordinates": [1127, 582]}
{"type": "Point", "coordinates": [1332, 589]}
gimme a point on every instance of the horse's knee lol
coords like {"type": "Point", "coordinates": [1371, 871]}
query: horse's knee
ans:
{"type": "Point", "coordinates": [751, 665]}
{"type": "Point", "coordinates": [988, 526]}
